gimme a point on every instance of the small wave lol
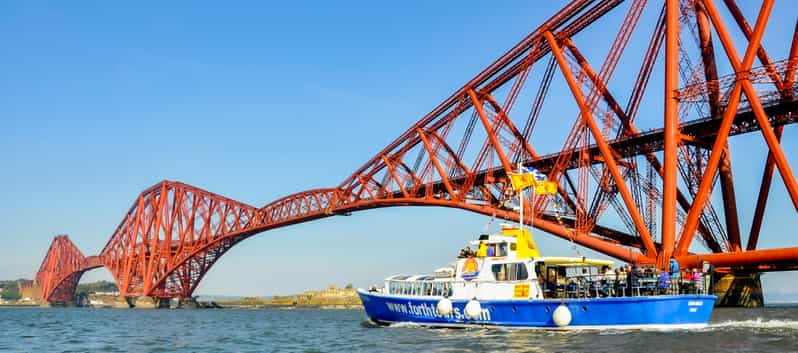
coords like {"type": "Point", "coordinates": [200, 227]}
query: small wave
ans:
{"type": "Point", "coordinates": [757, 323]}
{"type": "Point", "coordinates": [404, 324]}
{"type": "Point", "coordinates": [368, 324]}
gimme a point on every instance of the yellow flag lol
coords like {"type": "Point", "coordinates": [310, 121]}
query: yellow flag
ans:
{"type": "Point", "coordinates": [546, 188]}
{"type": "Point", "coordinates": [522, 181]}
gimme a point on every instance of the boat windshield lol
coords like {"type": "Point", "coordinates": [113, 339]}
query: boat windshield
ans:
{"type": "Point", "coordinates": [513, 271]}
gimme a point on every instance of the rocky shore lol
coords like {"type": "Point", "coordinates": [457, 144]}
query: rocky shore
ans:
{"type": "Point", "coordinates": [104, 295]}
{"type": "Point", "coordinates": [329, 298]}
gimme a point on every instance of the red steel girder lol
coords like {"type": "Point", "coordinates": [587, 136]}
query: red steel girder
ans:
{"type": "Point", "coordinates": [671, 133]}
{"type": "Point", "coordinates": [61, 270]}
{"type": "Point", "coordinates": [174, 233]}
{"type": "Point", "coordinates": [602, 145]}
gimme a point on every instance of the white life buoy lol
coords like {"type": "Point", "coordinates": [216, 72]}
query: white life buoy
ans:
{"type": "Point", "coordinates": [473, 310]}
{"type": "Point", "coordinates": [444, 307]}
{"type": "Point", "coordinates": [561, 316]}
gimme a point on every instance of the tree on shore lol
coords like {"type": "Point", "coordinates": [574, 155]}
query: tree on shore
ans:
{"type": "Point", "coordinates": [11, 293]}
{"type": "Point", "coordinates": [93, 287]}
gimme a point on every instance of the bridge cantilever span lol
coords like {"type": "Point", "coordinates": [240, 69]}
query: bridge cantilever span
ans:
{"type": "Point", "coordinates": [622, 191]}
{"type": "Point", "coordinates": [61, 270]}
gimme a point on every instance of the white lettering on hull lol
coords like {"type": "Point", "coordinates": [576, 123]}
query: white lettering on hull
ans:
{"type": "Point", "coordinates": [429, 311]}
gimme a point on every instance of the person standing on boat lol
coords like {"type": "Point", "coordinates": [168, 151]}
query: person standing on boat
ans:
{"type": "Point", "coordinates": [664, 282]}
{"type": "Point", "coordinates": [616, 285]}
{"type": "Point", "coordinates": [482, 251]}
{"type": "Point", "coordinates": [628, 271]}
{"type": "Point", "coordinates": [697, 280]}
{"type": "Point", "coordinates": [673, 266]}
{"type": "Point", "coordinates": [466, 252]}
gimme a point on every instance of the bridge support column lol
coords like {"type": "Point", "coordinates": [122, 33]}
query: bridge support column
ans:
{"type": "Point", "coordinates": [738, 289]}
{"type": "Point", "coordinates": [131, 302]}
{"type": "Point", "coordinates": [162, 303]}
{"type": "Point", "coordinates": [187, 303]}
{"type": "Point", "coordinates": [62, 304]}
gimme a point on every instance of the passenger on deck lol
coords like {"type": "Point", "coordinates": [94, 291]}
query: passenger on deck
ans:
{"type": "Point", "coordinates": [687, 279]}
{"type": "Point", "coordinates": [571, 289]}
{"type": "Point", "coordinates": [466, 252]}
{"type": "Point", "coordinates": [628, 270]}
{"type": "Point", "coordinates": [551, 284]}
{"type": "Point", "coordinates": [673, 266]}
{"type": "Point", "coordinates": [664, 282]}
{"type": "Point", "coordinates": [648, 272]}
{"type": "Point", "coordinates": [482, 251]}
{"type": "Point", "coordinates": [491, 250]}
{"type": "Point", "coordinates": [634, 280]}
{"type": "Point", "coordinates": [609, 274]}
{"type": "Point", "coordinates": [697, 280]}
{"type": "Point", "coordinates": [619, 276]}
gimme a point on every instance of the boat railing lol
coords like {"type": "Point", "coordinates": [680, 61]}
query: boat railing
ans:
{"type": "Point", "coordinates": [573, 286]}
{"type": "Point", "coordinates": [642, 284]}
{"type": "Point", "coordinates": [419, 287]}
{"type": "Point", "coordinates": [433, 288]}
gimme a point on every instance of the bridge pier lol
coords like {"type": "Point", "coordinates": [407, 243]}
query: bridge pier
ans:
{"type": "Point", "coordinates": [187, 303]}
{"type": "Point", "coordinates": [162, 303]}
{"type": "Point", "coordinates": [153, 303]}
{"type": "Point", "coordinates": [60, 304]}
{"type": "Point", "coordinates": [738, 289]}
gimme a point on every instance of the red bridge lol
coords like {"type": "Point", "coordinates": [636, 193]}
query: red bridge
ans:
{"type": "Point", "coordinates": [658, 182]}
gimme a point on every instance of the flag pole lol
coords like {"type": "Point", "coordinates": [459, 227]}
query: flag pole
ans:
{"type": "Point", "coordinates": [532, 211]}
{"type": "Point", "coordinates": [521, 201]}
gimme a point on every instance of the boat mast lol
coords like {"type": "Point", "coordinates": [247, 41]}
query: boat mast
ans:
{"type": "Point", "coordinates": [521, 202]}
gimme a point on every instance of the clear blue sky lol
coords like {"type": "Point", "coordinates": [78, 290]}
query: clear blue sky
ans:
{"type": "Point", "coordinates": [257, 100]}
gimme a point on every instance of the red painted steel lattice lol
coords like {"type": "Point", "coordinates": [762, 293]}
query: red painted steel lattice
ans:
{"type": "Point", "coordinates": [655, 182]}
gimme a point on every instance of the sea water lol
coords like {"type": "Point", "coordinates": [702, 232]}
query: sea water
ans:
{"type": "Point", "coordinates": [770, 329]}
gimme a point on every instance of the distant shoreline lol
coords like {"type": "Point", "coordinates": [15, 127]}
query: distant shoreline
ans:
{"type": "Point", "coordinates": [329, 298]}
{"type": "Point", "coordinates": [290, 307]}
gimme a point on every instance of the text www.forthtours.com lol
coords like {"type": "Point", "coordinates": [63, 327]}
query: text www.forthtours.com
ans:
{"type": "Point", "coordinates": [425, 310]}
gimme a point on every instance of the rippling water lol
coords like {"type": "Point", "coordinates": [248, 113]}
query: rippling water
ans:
{"type": "Point", "coordinates": [772, 329]}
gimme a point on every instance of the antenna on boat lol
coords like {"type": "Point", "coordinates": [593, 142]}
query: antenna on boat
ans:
{"type": "Point", "coordinates": [490, 221]}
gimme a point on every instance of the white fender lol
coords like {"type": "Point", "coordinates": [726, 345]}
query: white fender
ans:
{"type": "Point", "coordinates": [473, 310]}
{"type": "Point", "coordinates": [444, 307]}
{"type": "Point", "coordinates": [561, 316]}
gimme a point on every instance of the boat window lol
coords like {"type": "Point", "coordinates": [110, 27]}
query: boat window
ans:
{"type": "Point", "coordinates": [515, 271]}
{"type": "Point", "coordinates": [502, 249]}
{"type": "Point", "coordinates": [582, 271]}
{"type": "Point", "coordinates": [420, 288]}
{"type": "Point", "coordinates": [539, 268]}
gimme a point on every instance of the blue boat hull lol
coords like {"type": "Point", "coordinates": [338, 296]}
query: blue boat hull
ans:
{"type": "Point", "coordinates": [668, 311]}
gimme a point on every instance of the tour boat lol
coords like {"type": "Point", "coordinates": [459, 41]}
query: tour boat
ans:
{"type": "Point", "coordinates": [507, 283]}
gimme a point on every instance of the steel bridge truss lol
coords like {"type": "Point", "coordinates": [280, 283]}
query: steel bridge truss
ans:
{"type": "Point", "coordinates": [639, 196]}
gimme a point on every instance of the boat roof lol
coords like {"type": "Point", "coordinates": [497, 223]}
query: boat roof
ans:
{"type": "Point", "coordinates": [575, 261]}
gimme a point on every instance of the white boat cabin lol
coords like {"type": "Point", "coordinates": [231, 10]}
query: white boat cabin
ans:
{"type": "Point", "coordinates": [504, 266]}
